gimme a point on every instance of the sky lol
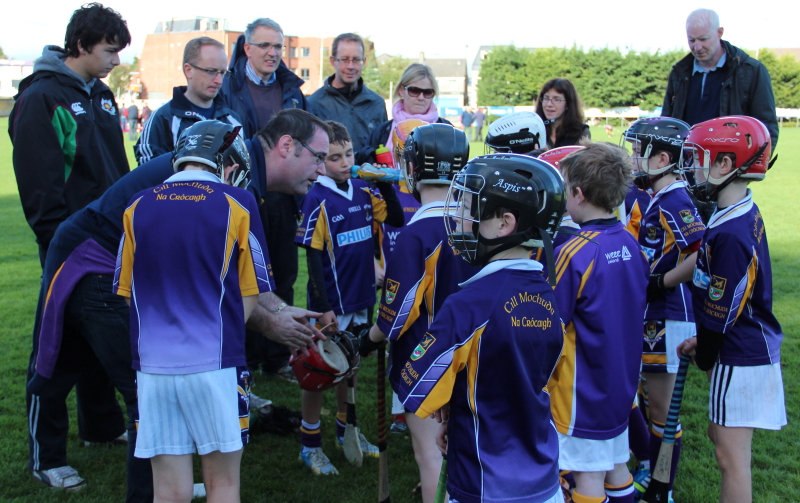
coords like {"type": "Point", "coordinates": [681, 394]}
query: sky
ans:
{"type": "Point", "coordinates": [446, 29]}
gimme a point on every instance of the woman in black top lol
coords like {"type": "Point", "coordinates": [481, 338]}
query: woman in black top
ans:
{"type": "Point", "coordinates": [561, 110]}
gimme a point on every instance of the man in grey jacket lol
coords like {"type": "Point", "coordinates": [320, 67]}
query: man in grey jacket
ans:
{"type": "Point", "coordinates": [344, 97]}
{"type": "Point", "coordinates": [718, 79]}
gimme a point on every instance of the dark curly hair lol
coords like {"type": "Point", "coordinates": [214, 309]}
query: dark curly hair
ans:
{"type": "Point", "coordinates": [92, 24]}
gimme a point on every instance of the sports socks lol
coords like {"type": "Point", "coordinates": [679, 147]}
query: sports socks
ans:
{"type": "Point", "coordinates": [310, 435]}
{"type": "Point", "coordinates": [341, 422]}
{"type": "Point", "coordinates": [639, 436]}
{"type": "Point", "coordinates": [580, 498]}
{"type": "Point", "coordinates": [656, 434]}
{"type": "Point", "coordinates": [621, 494]}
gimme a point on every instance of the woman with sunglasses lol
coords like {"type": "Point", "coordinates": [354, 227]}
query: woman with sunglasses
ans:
{"type": "Point", "coordinates": [561, 110]}
{"type": "Point", "coordinates": [413, 99]}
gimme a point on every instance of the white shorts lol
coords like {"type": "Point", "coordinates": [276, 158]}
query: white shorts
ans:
{"type": "Point", "coordinates": [178, 413]}
{"type": "Point", "coordinates": [661, 341]}
{"type": "Point", "coordinates": [588, 455]}
{"type": "Point", "coordinates": [357, 318]}
{"type": "Point", "coordinates": [397, 405]}
{"type": "Point", "coordinates": [749, 397]}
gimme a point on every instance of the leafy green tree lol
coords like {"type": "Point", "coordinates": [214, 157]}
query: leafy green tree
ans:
{"type": "Point", "coordinates": [2, 54]}
{"type": "Point", "coordinates": [119, 79]}
{"type": "Point", "coordinates": [378, 76]}
{"type": "Point", "coordinates": [505, 77]}
{"type": "Point", "coordinates": [785, 75]}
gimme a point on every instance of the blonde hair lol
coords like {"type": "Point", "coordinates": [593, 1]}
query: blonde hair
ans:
{"type": "Point", "coordinates": [413, 73]}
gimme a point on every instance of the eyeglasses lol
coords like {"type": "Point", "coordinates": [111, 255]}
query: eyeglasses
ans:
{"type": "Point", "coordinates": [211, 72]}
{"type": "Point", "coordinates": [414, 91]}
{"type": "Point", "coordinates": [319, 157]}
{"type": "Point", "coordinates": [554, 101]}
{"type": "Point", "coordinates": [264, 46]}
{"type": "Point", "coordinates": [346, 61]}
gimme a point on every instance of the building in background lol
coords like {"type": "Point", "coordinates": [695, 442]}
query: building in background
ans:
{"type": "Point", "coordinates": [451, 74]}
{"type": "Point", "coordinates": [12, 71]}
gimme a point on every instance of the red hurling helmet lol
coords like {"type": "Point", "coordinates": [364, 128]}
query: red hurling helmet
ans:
{"type": "Point", "coordinates": [337, 360]}
{"type": "Point", "coordinates": [554, 156]}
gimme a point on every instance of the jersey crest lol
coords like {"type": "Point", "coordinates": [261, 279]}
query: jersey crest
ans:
{"type": "Point", "coordinates": [426, 342]}
{"type": "Point", "coordinates": [392, 287]}
{"type": "Point", "coordinates": [686, 216]}
{"type": "Point", "coordinates": [717, 288]}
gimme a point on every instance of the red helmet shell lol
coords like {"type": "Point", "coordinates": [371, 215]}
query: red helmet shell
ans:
{"type": "Point", "coordinates": [335, 361]}
{"type": "Point", "coordinates": [737, 134]}
{"type": "Point", "coordinates": [556, 155]}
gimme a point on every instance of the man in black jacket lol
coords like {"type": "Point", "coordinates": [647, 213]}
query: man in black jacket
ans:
{"type": "Point", "coordinates": [68, 150]}
{"type": "Point", "coordinates": [718, 79]}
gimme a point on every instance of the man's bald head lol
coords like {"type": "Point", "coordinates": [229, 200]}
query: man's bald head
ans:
{"type": "Point", "coordinates": [704, 35]}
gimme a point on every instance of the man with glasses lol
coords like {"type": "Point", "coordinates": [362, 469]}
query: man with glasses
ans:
{"type": "Point", "coordinates": [205, 68]}
{"type": "Point", "coordinates": [344, 98]}
{"type": "Point", "coordinates": [260, 85]}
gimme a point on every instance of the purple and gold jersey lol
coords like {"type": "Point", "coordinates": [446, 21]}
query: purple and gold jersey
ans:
{"type": "Point", "coordinates": [489, 353]}
{"type": "Point", "coordinates": [387, 235]}
{"type": "Point", "coordinates": [417, 282]}
{"type": "Point", "coordinates": [670, 231]}
{"type": "Point", "coordinates": [340, 224]}
{"type": "Point", "coordinates": [600, 292]}
{"type": "Point", "coordinates": [732, 286]}
{"type": "Point", "coordinates": [192, 248]}
{"type": "Point", "coordinates": [636, 203]}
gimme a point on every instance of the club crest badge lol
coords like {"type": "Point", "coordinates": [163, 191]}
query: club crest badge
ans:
{"type": "Point", "coordinates": [651, 233]}
{"type": "Point", "coordinates": [717, 288]}
{"type": "Point", "coordinates": [686, 216]}
{"type": "Point", "coordinates": [426, 342]}
{"type": "Point", "coordinates": [653, 333]}
{"type": "Point", "coordinates": [108, 106]}
{"type": "Point", "coordinates": [392, 287]}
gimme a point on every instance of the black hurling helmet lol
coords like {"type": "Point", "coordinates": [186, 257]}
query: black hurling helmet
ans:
{"type": "Point", "coordinates": [654, 134]}
{"type": "Point", "coordinates": [217, 145]}
{"type": "Point", "coordinates": [433, 154]}
{"type": "Point", "coordinates": [530, 188]}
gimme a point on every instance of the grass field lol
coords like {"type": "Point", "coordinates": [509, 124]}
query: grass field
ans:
{"type": "Point", "coordinates": [271, 471]}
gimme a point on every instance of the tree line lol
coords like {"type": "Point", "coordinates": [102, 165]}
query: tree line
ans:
{"type": "Point", "coordinates": [606, 78]}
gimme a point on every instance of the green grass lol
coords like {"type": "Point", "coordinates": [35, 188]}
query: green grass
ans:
{"type": "Point", "coordinates": [271, 471]}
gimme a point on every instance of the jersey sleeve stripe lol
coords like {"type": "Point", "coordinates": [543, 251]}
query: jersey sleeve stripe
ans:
{"type": "Point", "coordinates": [562, 384]}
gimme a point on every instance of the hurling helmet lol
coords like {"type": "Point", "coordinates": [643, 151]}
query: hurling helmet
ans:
{"type": "Point", "coordinates": [208, 142]}
{"type": "Point", "coordinates": [336, 360]}
{"type": "Point", "coordinates": [433, 154]}
{"type": "Point", "coordinates": [655, 134]}
{"type": "Point", "coordinates": [746, 138]}
{"type": "Point", "coordinates": [556, 155]}
{"type": "Point", "coordinates": [399, 134]}
{"type": "Point", "coordinates": [530, 188]}
{"type": "Point", "coordinates": [519, 133]}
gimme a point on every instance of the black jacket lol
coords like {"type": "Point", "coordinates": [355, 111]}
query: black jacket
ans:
{"type": "Point", "coordinates": [68, 146]}
{"type": "Point", "coordinates": [234, 87]}
{"type": "Point", "coordinates": [162, 129]}
{"type": "Point", "coordinates": [566, 141]}
{"type": "Point", "coordinates": [747, 90]}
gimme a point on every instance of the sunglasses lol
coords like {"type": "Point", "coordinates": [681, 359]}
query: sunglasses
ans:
{"type": "Point", "coordinates": [414, 91]}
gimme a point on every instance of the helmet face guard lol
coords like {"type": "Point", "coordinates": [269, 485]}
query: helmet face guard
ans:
{"type": "Point", "coordinates": [237, 154]}
{"type": "Point", "coordinates": [336, 360]}
{"type": "Point", "coordinates": [645, 137]}
{"type": "Point", "coordinates": [747, 141]}
{"type": "Point", "coordinates": [399, 135]}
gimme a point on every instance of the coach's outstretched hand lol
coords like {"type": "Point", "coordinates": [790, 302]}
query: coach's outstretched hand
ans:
{"type": "Point", "coordinates": [285, 325]}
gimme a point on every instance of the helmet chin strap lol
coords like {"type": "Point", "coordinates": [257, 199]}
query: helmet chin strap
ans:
{"type": "Point", "coordinates": [707, 195]}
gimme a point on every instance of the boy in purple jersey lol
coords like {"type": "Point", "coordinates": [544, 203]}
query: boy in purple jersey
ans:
{"type": "Point", "coordinates": [669, 235]}
{"type": "Point", "coordinates": [595, 381]}
{"type": "Point", "coordinates": [423, 272]}
{"type": "Point", "coordinates": [491, 348]}
{"type": "Point", "coordinates": [338, 214]}
{"type": "Point", "coordinates": [738, 338]}
{"type": "Point", "coordinates": [188, 310]}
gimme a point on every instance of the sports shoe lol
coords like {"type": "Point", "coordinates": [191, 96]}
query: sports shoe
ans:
{"type": "Point", "coordinates": [120, 440]}
{"type": "Point", "coordinates": [65, 477]}
{"type": "Point", "coordinates": [318, 462]}
{"type": "Point", "coordinates": [367, 448]}
{"type": "Point", "coordinates": [641, 479]}
{"type": "Point", "coordinates": [256, 402]}
{"type": "Point", "coordinates": [400, 427]}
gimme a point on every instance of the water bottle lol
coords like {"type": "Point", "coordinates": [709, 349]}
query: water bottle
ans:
{"type": "Point", "coordinates": [369, 172]}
